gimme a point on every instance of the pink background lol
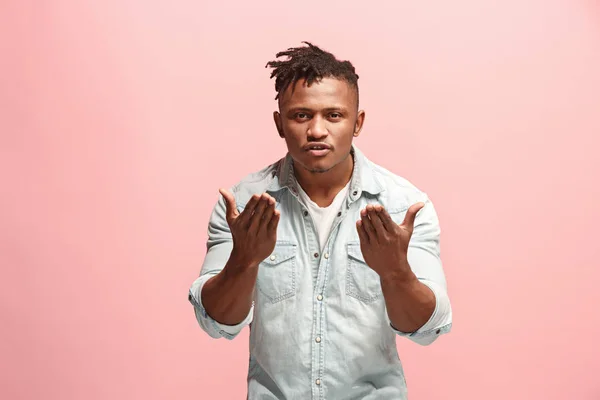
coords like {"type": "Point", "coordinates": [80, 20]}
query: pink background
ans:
{"type": "Point", "coordinates": [119, 120]}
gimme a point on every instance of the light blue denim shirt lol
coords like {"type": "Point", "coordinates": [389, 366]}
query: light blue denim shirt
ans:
{"type": "Point", "coordinates": [319, 327]}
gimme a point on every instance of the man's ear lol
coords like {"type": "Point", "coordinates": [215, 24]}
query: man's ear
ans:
{"type": "Point", "coordinates": [360, 119]}
{"type": "Point", "coordinates": [278, 125]}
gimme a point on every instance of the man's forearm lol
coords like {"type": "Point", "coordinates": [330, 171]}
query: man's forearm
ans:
{"type": "Point", "coordinates": [227, 296]}
{"type": "Point", "coordinates": [410, 303]}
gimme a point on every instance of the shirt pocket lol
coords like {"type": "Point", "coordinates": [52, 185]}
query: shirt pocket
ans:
{"type": "Point", "coordinates": [277, 273]}
{"type": "Point", "coordinates": [362, 282]}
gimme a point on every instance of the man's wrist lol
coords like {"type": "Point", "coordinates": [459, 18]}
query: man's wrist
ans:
{"type": "Point", "coordinates": [400, 276]}
{"type": "Point", "coordinates": [238, 265]}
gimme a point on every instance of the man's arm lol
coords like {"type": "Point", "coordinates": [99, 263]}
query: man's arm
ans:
{"type": "Point", "coordinates": [227, 296]}
{"type": "Point", "coordinates": [407, 259]}
{"type": "Point", "coordinates": [222, 295]}
{"type": "Point", "coordinates": [427, 313]}
{"type": "Point", "coordinates": [409, 302]}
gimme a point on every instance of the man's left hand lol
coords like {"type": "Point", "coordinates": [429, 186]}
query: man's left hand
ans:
{"type": "Point", "coordinates": [384, 244]}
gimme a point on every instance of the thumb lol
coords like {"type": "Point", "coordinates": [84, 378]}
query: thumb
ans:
{"type": "Point", "coordinates": [231, 208]}
{"type": "Point", "coordinates": [411, 214]}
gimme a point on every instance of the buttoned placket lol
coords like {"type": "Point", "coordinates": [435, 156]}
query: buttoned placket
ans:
{"type": "Point", "coordinates": [322, 264]}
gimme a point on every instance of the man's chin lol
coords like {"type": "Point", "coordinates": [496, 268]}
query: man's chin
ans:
{"type": "Point", "coordinates": [316, 169]}
{"type": "Point", "coordinates": [318, 166]}
{"type": "Point", "coordinates": [319, 171]}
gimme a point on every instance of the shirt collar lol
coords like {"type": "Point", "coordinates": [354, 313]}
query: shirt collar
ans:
{"type": "Point", "coordinates": [363, 176]}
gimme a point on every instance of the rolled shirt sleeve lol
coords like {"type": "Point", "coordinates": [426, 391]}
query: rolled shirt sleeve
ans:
{"type": "Point", "coordinates": [213, 328]}
{"type": "Point", "coordinates": [439, 323]}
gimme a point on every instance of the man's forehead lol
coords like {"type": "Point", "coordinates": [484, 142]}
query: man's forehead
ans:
{"type": "Point", "coordinates": [325, 93]}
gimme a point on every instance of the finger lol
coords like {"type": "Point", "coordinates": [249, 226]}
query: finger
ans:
{"type": "Point", "coordinates": [267, 215]}
{"type": "Point", "coordinates": [249, 210]}
{"type": "Point", "coordinates": [231, 211]}
{"type": "Point", "coordinates": [258, 214]}
{"type": "Point", "coordinates": [386, 219]}
{"type": "Point", "coordinates": [375, 220]}
{"type": "Point", "coordinates": [362, 234]}
{"type": "Point", "coordinates": [367, 226]}
{"type": "Point", "coordinates": [409, 218]}
{"type": "Point", "coordinates": [272, 226]}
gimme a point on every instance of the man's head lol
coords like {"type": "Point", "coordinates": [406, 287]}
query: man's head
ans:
{"type": "Point", "coordinates": [318, 106]}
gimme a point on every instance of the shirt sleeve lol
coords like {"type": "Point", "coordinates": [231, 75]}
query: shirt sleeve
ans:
{"type": "Point", "coordinates": [219, 246]}
{"type": "Point", "coordinates": [424, 259]}
{"type": "Point", "coordinates": [213, 328]}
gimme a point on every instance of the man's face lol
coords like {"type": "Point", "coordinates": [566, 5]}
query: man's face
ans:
{"type": "Point", "coordinates": [319, 122]}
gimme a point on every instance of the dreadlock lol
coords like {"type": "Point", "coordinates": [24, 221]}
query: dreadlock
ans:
{"type": "Point", "coordinates": [309, 63]}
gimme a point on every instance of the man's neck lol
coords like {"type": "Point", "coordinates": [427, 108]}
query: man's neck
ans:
{"type": "Point", "coordinates": [323, 187]}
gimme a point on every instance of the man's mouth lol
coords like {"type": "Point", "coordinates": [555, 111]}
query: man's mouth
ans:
{"type": "Point", "coordinates": [318, 150]}
{"type": "Point", "coordinates": [317, 146]}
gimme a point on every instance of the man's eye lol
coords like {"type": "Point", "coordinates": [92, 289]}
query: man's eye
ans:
{"type": "Point", "coordinates": [335, 115]}
{"type": "Point", "coordinates": [301, 115]}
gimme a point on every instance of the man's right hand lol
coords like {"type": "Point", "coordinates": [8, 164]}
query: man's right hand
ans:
{"type": "Point", "coordinates": [254, 231]}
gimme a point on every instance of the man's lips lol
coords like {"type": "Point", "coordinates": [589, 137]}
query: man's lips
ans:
{"type": "Point", "coordinates": [317, 146]}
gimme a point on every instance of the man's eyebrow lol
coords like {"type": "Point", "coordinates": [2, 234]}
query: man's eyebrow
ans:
{"type": "Point", "coordinates": [301, 108]}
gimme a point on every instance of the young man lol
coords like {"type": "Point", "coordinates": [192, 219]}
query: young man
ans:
{"type": "Point", "coordinates": [326, 255]}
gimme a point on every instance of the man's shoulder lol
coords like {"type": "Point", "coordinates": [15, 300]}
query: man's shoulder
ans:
{"type": "Point", "coordinates": [398, 191]}
{"type": "Point", "coordinates": [256, 182]}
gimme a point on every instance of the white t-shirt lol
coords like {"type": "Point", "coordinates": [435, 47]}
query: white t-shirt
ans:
{"type": "Point", "coordinates": [323, 217]}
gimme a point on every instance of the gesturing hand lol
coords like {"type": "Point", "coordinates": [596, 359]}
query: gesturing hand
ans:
{"type": "Point", "coordinates": [384, 244]}
{"type": "Point", "coordinates": [254, 231]}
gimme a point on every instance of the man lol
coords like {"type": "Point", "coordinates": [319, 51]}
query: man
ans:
{"type": "Point", "coordinates": [326, 255]}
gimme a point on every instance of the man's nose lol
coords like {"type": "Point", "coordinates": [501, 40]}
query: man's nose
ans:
{"type": "Point", "coordinates": [317, 128]}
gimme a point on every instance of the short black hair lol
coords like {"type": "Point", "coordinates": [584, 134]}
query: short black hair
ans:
{"type": "Point", "coordinates": [309, 63]}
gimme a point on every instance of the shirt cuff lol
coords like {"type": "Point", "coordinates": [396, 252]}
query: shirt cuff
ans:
{"type": "Point", "coordinates": [213, 328]}
{"type": "Point", "coordinates": [440, 321]}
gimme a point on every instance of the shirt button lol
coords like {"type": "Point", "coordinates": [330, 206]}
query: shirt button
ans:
{"type": "Point", "coordinates": [272, 258]}
{"type": "Point", "coordinates": [326, 255]}
{"type": "Point", "coordinates": [305, 213]}
{"type": "Point", "coordinates": [316, 255]}
{"type": "Point", "coordinates": [355, 193]}
{"type": "Point", "coordinates": [318, 381]}
{"type": "Point", "coordinates": [339, 214]}
{"type": "Point", "coordinates": [319, 297]}
{"type": "Point", "coordinates": [438, 331]}
{"type": "Point", "coordinates": [318, 340]}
